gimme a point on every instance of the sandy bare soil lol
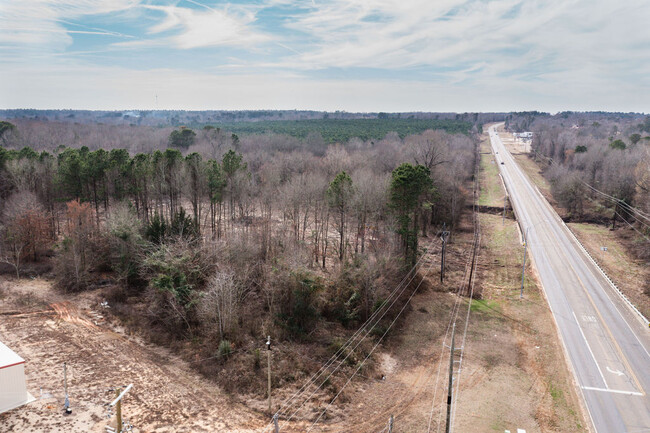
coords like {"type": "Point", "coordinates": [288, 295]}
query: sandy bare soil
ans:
{"type": "Point", "coordinates": [47, 330]}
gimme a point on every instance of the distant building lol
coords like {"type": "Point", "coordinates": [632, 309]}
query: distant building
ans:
{"type": "Point", "coordinates": [13, 389]}
{"type": "Point", "coordinates": [525, 136]}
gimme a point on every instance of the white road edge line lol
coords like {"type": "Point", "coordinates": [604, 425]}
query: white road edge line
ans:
{"type": "Point", "coordinates": [567, 358]}
{"type": "Point", "coordinates": [609, 280]}
{"type": "Point", "coordinates": [618, 291]}
{"type": "Point", "coordinates": [590, 351]}
{"type": "Point", "coordinates": [615, 391]}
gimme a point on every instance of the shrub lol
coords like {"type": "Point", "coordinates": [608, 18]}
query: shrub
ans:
{"type": "Point", "coordinates": [182, 225]}
{"type": "Point", "coordinates": [225, 349]}
{"type": "Point", "coordinates": [156, 230]}
{"type": "Point", "coordinates": [126, 244]}
{"type": "Point", "coordinates": [298, 310]}
{"type": "Point", "coordinates": [618, 144]}
{"type": "Point", "coordinates": [257, 362]}
{"type": "Point", "coordinates": [176, 271]}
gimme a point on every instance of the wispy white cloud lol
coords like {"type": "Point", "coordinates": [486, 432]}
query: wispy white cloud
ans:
{"type": "Point", "coordinates": [500, 35]}
{"type": "Point", "coordinates": [95, 32]}
{"type": "Point", "coordinates": [37, 24]}
{"type": "Point", "coordinates": [580, 53]}
{"type": "Point", "coordinates": [195, 28]}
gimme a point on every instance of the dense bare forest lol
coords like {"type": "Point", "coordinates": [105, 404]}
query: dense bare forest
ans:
{"type": "Point", "coordinates": [598, 165]}
{"type": "Point", "coordinates": [261, 120]}
{"type": "Point", "coordinates": [216, 242]}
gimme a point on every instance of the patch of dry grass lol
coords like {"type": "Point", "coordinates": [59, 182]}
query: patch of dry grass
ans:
{"type": "Point", "coordinates": [491, 187]}
{"type": "Point", "coordinates": [518, 345]}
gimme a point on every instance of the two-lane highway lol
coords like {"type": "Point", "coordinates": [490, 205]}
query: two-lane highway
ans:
{"type": "Point", "coordinates": [606, 342]}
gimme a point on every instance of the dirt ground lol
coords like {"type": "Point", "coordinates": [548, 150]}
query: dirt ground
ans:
{"type": "Point", "coordinates": [48, 329]}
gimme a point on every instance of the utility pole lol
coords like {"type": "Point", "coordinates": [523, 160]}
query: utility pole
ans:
{"type": "Point", "coordinates": [118, 411]}
{"type": "Point", "coordinates": [444, 236]}
{"type": "Point", "coordinates": [390, 424]}
{"type": "Point", "coordinates": [451, 379]}
{"type": "Point", "coordinates": [66, 403]}
{"type": "Point", "coordinates": [505, 199]}
{"type": "Point", "coordinates": [523, 268]}
{"type": "Point", "coordinates": [117, 403]}
{"type": "Point", "coordinates": [268, 351]}
{"type": "Point", "coordinates": [275, 423]}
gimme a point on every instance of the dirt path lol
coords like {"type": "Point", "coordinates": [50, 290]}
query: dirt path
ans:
{"type": "Point", "coordinates": [166, 396]}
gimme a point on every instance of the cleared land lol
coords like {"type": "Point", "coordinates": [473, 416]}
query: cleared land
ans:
{"type": "Point", "coordinates": [47, 329]}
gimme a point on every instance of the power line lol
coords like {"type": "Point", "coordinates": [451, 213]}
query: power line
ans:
{"type": "Point", "coordinates": [395, 294]}
{"type": "Point", "coordinates": [472, 264]}
{"type": "Point", "coordinates": [348, 355]}
{"type": "Point", "coordinates": [635, 229]}
{"type": "Point", "coordinates": [462, 351]}
{"type": "Point", "coordinates": [371, 351]}
{"type": "Point", "coordinates": [611, 198]}
{"type": "Point", "coordinates": [621, 203]}
{"type": "Point", "coordinates": [631, 215]}
{"type": "Point", "coordinates": [617, 200]}
{"type": "Point", "coordinates": [453, 317]}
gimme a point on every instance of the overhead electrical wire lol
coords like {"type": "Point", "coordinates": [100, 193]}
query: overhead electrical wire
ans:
{"type": "Point", "coordinates": [371, 351]}
{"type": "Point", "coordinates": [609, 197]}
{"type": "Point", "coordinates": [382, 311]}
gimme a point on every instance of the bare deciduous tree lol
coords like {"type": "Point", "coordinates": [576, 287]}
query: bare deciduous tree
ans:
{"type": "Point", "coordinates": [220, 303]}
{"type": "Point", "coordinates": [24, 229]}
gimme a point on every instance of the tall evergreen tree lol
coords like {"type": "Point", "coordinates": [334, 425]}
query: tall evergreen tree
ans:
{"type": "Point", "coordinates": [408, 187]}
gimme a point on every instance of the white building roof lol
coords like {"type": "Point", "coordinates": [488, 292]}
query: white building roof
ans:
{"type": "Point", "coordinates": [8, 357]}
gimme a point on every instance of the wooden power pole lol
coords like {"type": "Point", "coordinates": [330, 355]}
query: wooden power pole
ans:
{"type": "Point", "coordinates": [117, 403]}
{"type": "Point", "coordinates": [451, 379]}
{"type": "Point", "coordinates": [444, 236]}
{"type": "Point", "coordinates": [118, 411]}
{"type": "Point", "coordinates": [268, 351]}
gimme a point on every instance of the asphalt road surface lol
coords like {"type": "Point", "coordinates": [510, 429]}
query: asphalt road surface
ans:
{"type": "Point", "coordinates": [606, 341]}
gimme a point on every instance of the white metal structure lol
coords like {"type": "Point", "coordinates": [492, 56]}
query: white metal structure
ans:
{"type": "Point", "coordinates": [13, 390]}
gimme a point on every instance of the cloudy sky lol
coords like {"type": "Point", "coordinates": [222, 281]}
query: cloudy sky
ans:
{"type": "Point", "coordinates": [354, 55]}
